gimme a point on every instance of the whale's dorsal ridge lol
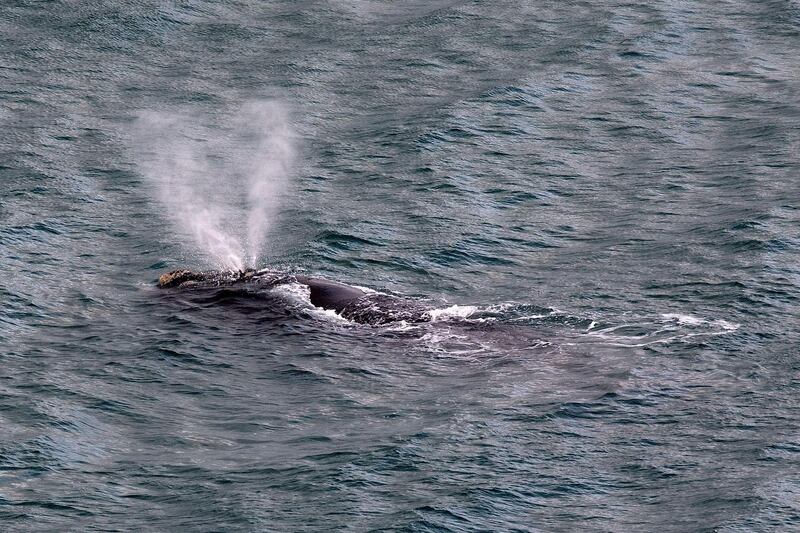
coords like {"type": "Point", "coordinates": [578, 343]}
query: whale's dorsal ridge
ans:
{"type": "Point", "coordinates": [330, 294]}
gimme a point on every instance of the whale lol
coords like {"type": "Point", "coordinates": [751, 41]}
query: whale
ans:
{"type": "Point", "coordinates": [350, 302]}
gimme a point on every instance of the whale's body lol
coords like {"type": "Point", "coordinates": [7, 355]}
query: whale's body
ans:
{"type": "Point", "coordinates": [350, 302]}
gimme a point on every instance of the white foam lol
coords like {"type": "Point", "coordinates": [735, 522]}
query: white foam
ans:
{"type": "Point", "coordinates": [530, 317]}
{"type": "Point", "coordinates": [689, 320]}
{"type": "Point", "coordinates": [449, 344]}
{"type": "Point", "coordinates": [403, 325]}
{"type": "Point", "coordinates": [454, 311]}
{"type": "Point", "coordinates": [295, 292]}
{"type": "Point", "coordinates": [728, 326]}
{"type": "Point", "coordinates": [498, 308]}
{"type": "Point", "coordinates": [684, 319]}
{"type": "Point", "coordinates": [366, 289]}
{"type": "Point", "coordinates": [300, 295]}
{"type": "Point", "coordinates": [678, 328]}
{"type": "Point", "coordinates": [328, 315]}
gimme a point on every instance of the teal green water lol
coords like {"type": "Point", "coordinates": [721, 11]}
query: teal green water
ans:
{"type": "Point", "coordinates": [598, 201]}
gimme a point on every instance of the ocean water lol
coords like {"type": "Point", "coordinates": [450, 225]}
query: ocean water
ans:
{"type": "Point", "coordinates": [599, 202]}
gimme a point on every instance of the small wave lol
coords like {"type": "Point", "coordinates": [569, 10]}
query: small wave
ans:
{"type": "Point", "coordinates": [294, 292]}
{"type": "Point", "coordinates": [454, 311]}
{"type": "Point", "coordinates": [367, 289]}
{"type": "Point", "coordinates": [498, 308]}
{"type": "Point", "coordinates": [403, 326]}
{"type": "Point", "coordinates": [531, 317]}
{"type": "Point", "coordinates": [683, 319]}
{"type": "Point", "coordinates": [451, 344]}
{"type": "Point", "coordinates": [690, 320]}
{"type": "Point", "coordinates": [328, 315]}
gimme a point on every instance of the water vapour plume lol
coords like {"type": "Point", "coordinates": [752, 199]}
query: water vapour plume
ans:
{"type": "Point", "coordinates": [273, 154]}
{"type": "Point", "coordinates": [220, 178]}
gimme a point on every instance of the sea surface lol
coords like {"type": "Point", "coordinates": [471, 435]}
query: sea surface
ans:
{"type": "Point", "coordinates": [598, 202]}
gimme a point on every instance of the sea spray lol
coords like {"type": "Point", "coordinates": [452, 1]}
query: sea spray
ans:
{"type": "Point", "coordinates": [219, 178]}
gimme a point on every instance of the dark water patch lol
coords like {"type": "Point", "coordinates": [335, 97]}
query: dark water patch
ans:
{"type": "Point", "coordinates": [344, 241]}
{"type": "Point", "coordinates": [456, 258]}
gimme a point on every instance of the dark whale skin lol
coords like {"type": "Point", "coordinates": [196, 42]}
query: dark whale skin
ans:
{"type": "Point", "coordinates": [324, 293]}
{"type": "Point", "coordinates": [330, 294]}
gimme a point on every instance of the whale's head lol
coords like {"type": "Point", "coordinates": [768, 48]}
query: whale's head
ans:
{"type": "Point", "coordinates": [178, 277]}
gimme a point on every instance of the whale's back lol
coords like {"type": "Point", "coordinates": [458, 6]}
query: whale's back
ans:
{"type": "Point", "coordinates": [329, 294]}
